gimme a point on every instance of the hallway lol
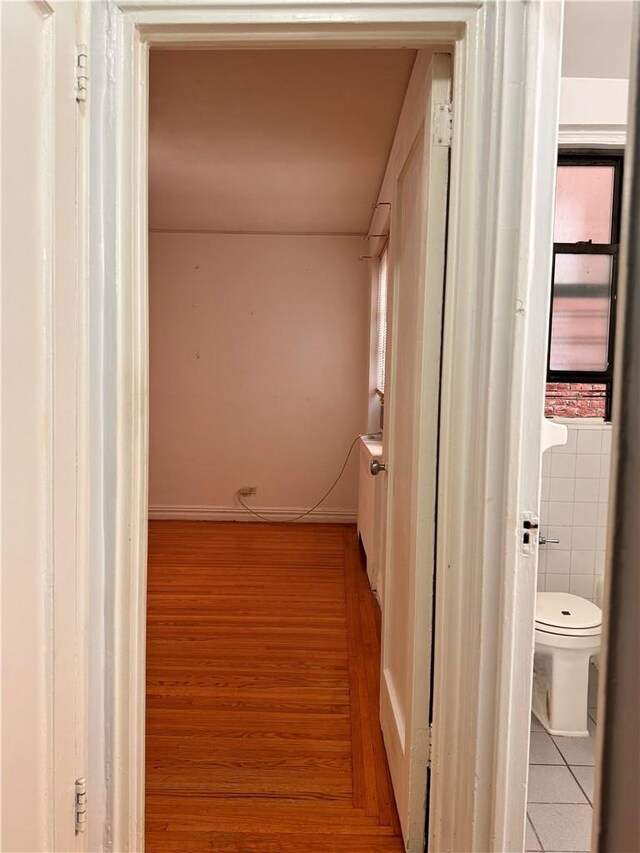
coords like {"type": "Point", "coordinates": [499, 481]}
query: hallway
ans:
{"type": "Point", "coordinates": [262, 692]}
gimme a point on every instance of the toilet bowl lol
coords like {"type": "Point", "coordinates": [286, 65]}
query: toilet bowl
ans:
{"type": "Point", "coordinates": [567, 635]}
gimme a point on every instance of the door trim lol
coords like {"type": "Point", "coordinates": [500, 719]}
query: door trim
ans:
{"type": "Point", "coordinates": [506, 92]}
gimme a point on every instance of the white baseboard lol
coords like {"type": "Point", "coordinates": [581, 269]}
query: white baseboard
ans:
{"type": "Point", "coordinates": [165, 512]}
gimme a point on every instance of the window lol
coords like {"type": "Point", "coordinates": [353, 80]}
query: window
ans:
{"type": "Point", "coordinates": [585, 260]}
{"type": "Point", "coordinates": [381, 322]}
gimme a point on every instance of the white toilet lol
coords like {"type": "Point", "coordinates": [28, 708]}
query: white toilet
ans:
{"type": "Point", "coordinates": [567, 636]}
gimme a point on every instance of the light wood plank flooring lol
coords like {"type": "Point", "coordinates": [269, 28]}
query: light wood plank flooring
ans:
{"type": "Point", "coordinates": [262, 693]}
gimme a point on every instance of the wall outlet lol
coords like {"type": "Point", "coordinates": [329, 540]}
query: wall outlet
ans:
{"type": "Point", "coordinates": [247, 491]}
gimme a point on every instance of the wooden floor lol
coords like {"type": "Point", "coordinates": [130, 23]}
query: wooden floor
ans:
{"type": "Point", "coordinates": [262, 693]}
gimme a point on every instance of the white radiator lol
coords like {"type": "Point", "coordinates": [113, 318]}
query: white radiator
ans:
{"type": "Point", "coordinates": [370, 503]}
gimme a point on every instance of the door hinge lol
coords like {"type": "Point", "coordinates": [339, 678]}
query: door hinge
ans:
{"type": "Point", "coordinates": [443, 122]}
{"type": "Point", "coordinates": [82, 73]}
{"type": "Point", "coordinates": [81, 804]}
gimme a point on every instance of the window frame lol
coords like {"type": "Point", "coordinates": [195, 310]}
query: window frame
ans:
{"type": "Point", "coordinates": [382, 338]}
{"type": "Point", "coordinates": [593, 157]}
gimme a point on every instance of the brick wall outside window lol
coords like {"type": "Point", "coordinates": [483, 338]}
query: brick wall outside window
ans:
{"type": "Point", "coordinates": [575, 400]}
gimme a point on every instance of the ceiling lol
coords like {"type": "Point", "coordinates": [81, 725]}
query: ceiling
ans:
{"type": "Point", "coordinates": [597, 38]}
{"type": "Point", "coordinates": [283, 141]}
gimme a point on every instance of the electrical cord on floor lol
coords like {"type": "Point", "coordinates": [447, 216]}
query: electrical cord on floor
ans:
{"type": "Point", "coordinates": [316, 505]}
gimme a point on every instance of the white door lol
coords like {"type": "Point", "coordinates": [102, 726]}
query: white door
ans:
{"type": "Point", "coordinates": [41, 537]}
{"type": "Point", "coordinates": [416, 282]}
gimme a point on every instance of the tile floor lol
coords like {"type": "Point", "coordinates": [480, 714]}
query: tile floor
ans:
{"type": "Point", "coordinates": [560, 794]}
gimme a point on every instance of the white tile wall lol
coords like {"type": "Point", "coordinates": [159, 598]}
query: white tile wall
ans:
{"type": "Point", "coordinates": [574, 507]}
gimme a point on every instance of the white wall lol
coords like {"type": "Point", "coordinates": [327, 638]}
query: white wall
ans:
{"type": "Point", "coordinates": [574, 508]}
{"type": "Point", "coordinates": [594, 103]}
{"type": "Point", "coordinates": [259, 360]}
{"type": "Point", "coordinates": [596, 57]}
{"type": "Point", "coordinates": [597, 38]}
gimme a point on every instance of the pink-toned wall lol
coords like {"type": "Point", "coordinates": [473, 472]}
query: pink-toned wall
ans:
{"type": "Point", "coordinates": [259, 368]}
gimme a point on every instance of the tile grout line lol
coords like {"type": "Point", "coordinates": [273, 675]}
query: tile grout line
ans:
{"type": "Point", "coordinates": [559, 750]}
{"type": "Point", "coordinates": [571, 771]}
{"type": "Point", "coordinates": [568, 766]}
{"type": "Point", "coordinates": [571, 768]}
{"type": "Point", "coordinates": [535, 831]}
{"type": "Point", "coordinates": [546, 803]}
{"type": "Point", "coordinates": [579, 785]}
{"type": "Point", "coordinates": [573, 775]}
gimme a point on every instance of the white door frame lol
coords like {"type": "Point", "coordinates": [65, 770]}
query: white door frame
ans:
{"type": "Point", "coordinates": [506, 88]}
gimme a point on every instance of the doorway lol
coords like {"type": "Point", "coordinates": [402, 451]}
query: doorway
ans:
{"type": "Point", "coordinates": [275, 185]}
{"type": "Point", "coordinates": [476, 791]}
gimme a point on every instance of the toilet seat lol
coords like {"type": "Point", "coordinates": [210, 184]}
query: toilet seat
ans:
{"type": "Point", "coordinates": [566, 615]}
